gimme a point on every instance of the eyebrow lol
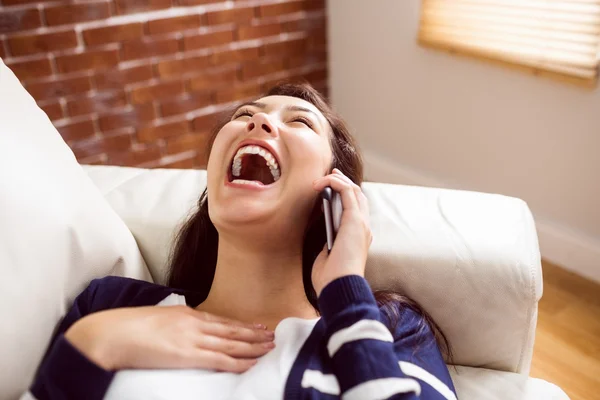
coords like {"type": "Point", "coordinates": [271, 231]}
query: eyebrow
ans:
{"type": "Point", "coordinates": [288, 108]}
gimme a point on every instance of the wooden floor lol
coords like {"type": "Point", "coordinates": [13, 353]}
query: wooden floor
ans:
{"type": "Point", "coordinates": [567, 344]}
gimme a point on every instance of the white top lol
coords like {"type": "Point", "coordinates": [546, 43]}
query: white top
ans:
{"type": "Point", "coordinates": [265, 380]}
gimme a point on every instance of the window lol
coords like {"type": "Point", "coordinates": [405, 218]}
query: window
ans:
{"type": "Point", "coordinates": [558, 38]}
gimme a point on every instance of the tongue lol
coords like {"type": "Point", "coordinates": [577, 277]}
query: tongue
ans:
{"type": "Point", "coordinates": [254, 168]}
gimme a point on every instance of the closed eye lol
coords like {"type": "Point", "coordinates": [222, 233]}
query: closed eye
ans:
{"type": "Point", "coordinates": [241, 113]}
{"type": "Point", "coordinates": [304, 121]}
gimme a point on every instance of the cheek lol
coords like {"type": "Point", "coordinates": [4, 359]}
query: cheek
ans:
{"type": "Point", "coordinates": [219, 149]}
{"type": "Point", "coordinates": [313, 156]}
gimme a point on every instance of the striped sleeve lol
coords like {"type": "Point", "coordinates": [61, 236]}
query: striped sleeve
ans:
{"type": "Point", "coordinates": [65, 373]}
{"type": "Point", "coordinates": [367, 361]}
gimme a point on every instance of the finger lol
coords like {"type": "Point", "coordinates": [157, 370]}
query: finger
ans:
{"type": "Point", "coordinates": [361, 198]}
{"type": "Point", "coordinates": [221, 362]}
{"type": "Point", "coordinates": [235, 348]}
{"type": "Point", "coordinates": [363, 202]}
{"type": "Point", "coordinates": [206, 316]}
{"type": "Point", "coordinates": [238, 332]}
{"type": "Point", "coordinates": [345, 190]}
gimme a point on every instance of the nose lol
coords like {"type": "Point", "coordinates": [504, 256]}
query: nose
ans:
{"type": "Point", "coordinates": [262, 122]}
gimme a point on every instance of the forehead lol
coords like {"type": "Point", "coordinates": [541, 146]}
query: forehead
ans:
{"type": "Point", "coordinates": [275, 103]}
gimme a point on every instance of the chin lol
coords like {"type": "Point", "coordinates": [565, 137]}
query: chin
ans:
{"type": "Point", "coordinates": [236, 212]}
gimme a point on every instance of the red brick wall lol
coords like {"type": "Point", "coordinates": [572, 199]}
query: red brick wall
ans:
{"type": "Point", "coordinates": [139, 82]}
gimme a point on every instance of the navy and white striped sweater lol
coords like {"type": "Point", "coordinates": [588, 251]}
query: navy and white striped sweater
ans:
{"type": "Point", "coordinates": [350, 346]}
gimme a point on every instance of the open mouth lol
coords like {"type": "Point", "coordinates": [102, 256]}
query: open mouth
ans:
{"type": "Point", "coordinates": [254, 165]}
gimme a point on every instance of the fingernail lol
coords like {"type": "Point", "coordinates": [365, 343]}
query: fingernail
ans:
{"type": "Point", "coordinates": [260, 326]}
{"type": "Point", "coordinates": [270, 334]}
{"type": "Point", "coordinates": [269, 345]}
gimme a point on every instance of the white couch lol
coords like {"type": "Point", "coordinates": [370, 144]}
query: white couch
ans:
{"type": "Point", "coordinates": [471, 259]}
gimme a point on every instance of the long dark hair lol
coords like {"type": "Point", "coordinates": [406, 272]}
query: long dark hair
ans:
{"type": "Point", "coordinates": [194, 256]}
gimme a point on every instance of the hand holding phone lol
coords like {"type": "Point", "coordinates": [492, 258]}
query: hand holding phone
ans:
{"type": "Point", "coordinates": [332, 208]}
{"type": "Point", "coordinates": [352, 234]}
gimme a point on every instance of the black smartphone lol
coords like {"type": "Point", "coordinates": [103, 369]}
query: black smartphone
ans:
{"type": "Point", "coordinates": [332, 208]}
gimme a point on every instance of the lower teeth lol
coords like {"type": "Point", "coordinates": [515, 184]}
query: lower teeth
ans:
{"type": "Point", "coordinates": [246, 182]}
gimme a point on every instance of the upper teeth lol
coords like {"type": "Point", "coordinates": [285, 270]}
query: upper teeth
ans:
{"type": "Point", "coordinates": [236, 168]}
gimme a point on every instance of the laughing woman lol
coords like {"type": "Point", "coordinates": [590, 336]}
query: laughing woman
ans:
{"type": "Point", "coordinates": [255, 307]}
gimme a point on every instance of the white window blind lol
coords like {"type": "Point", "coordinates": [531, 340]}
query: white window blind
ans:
{"type": "Point", "coordinates": [556, 36]}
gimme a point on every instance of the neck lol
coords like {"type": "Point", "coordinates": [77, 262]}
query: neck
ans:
{"type": "Point", "coordinates": [258, 283]}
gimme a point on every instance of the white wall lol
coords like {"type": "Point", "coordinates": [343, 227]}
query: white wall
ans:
{"type": "Point", "coordinates": [428, 118]}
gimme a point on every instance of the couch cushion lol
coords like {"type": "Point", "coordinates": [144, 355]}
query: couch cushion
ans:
{"type": "Point", "coordinates": [57, 232]}
{"type": "Point", "coordinates": [471, 259]}
{"type": "Point", "coordinates": [485, 384]}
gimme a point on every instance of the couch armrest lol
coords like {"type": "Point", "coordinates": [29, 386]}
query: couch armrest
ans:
{"type": "Point", "coordinates": [471, 259]}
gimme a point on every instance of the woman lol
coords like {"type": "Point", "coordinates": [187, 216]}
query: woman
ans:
{"type": "Point", "coordinates": [255, 307]}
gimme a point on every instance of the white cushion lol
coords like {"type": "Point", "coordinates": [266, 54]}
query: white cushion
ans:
{"type": "Point", "coordinates": [56, 234]}
{"type": "Point", "coordinates": [487, 384]}
{"type": "Point", "coordinates": [471, 259]}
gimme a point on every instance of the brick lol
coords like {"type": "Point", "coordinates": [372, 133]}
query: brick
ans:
{"type": "Point", "coordinates": [98, 159]}
{"type": "Point", "coordinates": [192, 2]}
{"type": "Point", "coordinates": [186, 142]}
{"type": "Point", "coordinates": [262, 67]}
{"type": "Point", "coordinates": [53, 109]}
{"type": "Point", "coordinates": [305, 24]}
{"type": "Point", "coordinates": [96, 60]}
{"type": "Point", "coordinates": [174, 24]}
{"type": "Point", "coordinates": [249, 32]}
{"type": "Point", "coordinates": [284, 77]}
{"type": "Point", "coordinates": [154, 132]}
{"type": "Point", "coordinates": [155, 91]}
{"type": "Point", "coordinates": [286, 47]}
{"type": "Point", "coordinates": [31, 69]}
{"type": "Point", "coordinates": [135, 157]}
{"type": "Point", "coordinates": [59, 87]}
{"type": "Point", "coordinates": [301, 60]}
{"type": "Point", "coordinates": [312, 5]}
{"type": "Point", "coordinates": [213, 79]}
{"type": "Point", "coordinates": [74, 13]}
{"type": "Point", "coordinates": [201, 160]}
{"type": "Point", "coordinates": [316, 76]}
{"type": "Point", "coordinates": [238, 55]}
{"type": "Point", "coordinates": [183, 66]}
{"type": "Point", "coordinates": [148, 47]}
{"type": "Point", "coordinates": [205, 123]}
{"type": "Point", "coordinates": [117, 78]}
{"type": "Point", "coordinates": [113, 33]}
{"type": "Point", "coordinates": [193, 42]}
{"type": "Point", "coordinates": [187, 163]}
{"type": "Point", "coordinates": [135, 6]}
{"type": "Point", "coordinates": [233, 15]}
{"type": "Point", "coordinates": [71, 130]}
{"type": "Point", "coordinates": [273, 10]}
{"type": "Point", "coordinates": [31, 44]}
{"type": "Point", "coordinates": [15, 2]}
{"type": "Point", "coordinates": [229, 94]}
{"type": "Point", "coordinates": [317, 39]}
{"type": "Point", "coordinates": [116, 142]}
{"type": "Point", "coordinates": [19, 20]}
{"type": "Point", "coordinates": [184, 104]}
{"type": "Point", "coordinates": [127, 117]}
{"type": "Point", "coordinates": [98, 102]}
